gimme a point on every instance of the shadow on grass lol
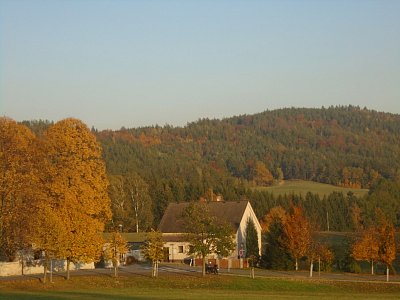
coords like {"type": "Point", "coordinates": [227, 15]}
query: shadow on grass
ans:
{"type": "Point", "coordinates": [74, 295]}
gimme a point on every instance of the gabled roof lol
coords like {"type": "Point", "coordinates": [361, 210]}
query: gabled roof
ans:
{"type": "Point", "coordinates": [230, 211]}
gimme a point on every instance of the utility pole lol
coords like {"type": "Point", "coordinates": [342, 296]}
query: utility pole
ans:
{"type": "Point", "coordinates": [327, 219]}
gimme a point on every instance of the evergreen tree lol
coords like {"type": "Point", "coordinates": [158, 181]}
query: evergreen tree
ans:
{"type": "Point", "coordinates": [252, 248]}
{"type": "Point", "coordinates": [275, 255]}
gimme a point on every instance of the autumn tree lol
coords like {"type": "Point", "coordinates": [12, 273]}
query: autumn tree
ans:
{"type": "Point", "coordinates": [205, 233]}
{"type": "Point", "coordinates": [297, 236]}
{"type": "Point", "coordinates": [76, 184]}
{"type": "Point", "coordinates": [261, 175]}
{"type": "Point", "coordinates": [275, 254]}
{"type": "Point", "coordinates": [116, 247]}
{"type": "Point", "coordinates": [320, 252]}
{"type": "Point", "coordinates": [49, 234]}
{"type": "Point", "coordinates": [131, 203]}
{"type": "Point", "coordinates": [277, 213]}
{"type": "Point", "coordinates": [17, 186]}
{"type": "Point", "coordinates": [153, 250]}
{"type": "Point", "coordinates": [356, 218]}
{"type": "Point", "coordinates": [387, 243]}
{"type": "Point", "coordinates": [367, 247]}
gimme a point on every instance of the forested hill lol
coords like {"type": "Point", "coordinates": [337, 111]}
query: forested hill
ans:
{"type": "Point", "coordinates": [345, 146]}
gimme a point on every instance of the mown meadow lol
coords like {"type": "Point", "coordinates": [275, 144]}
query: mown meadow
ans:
{"type": "Point", "coordinates": [175, 286]}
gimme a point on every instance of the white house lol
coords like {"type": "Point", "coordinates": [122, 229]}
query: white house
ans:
{"type": "Point", "coordinates": [236, 213]}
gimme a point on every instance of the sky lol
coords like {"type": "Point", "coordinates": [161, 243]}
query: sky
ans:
{"type": "Point", "coordinates": [124, 63]}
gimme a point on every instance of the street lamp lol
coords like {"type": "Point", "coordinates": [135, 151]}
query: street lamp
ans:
{"type": "Point", "coordinates": [120, 228]}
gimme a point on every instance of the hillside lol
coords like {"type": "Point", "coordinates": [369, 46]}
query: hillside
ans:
{"type": "Point", "coordinates": [343, 146]}
{"type": "Point", "coordinates": [240, 157]}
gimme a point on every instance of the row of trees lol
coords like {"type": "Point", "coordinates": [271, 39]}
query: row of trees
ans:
{"type": "Point", "coordinates": [289, 237]}
{"type": "Point", "coordinates": [53, 192]}
{"type": "Point", "coordinates": [376, 243]}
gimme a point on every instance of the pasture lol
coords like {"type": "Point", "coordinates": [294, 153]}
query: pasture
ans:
{"type": "Point", "coordinates": [302, 187]}
{"type": "Point", "coordinates": [193, 286]}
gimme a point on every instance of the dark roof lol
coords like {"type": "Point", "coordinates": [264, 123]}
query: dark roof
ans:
{"type": "Point", "coordinates": [132, 237]}
{"type": "Point", "coordinates": [230, 211]}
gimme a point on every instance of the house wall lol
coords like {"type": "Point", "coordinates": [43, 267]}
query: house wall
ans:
{"type": "Point", "coordinates": [241, 232]}
{"type": "Point", "coordinates": [177, 251]}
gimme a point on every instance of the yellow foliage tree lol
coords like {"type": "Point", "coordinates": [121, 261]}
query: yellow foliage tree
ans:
{"type": "Point", "coordinates": [17, 178]}
{"type": "Point", "coordinates": [76, 185]}
{"type": "Point", "coordinates": [153, 250]}
{"type": "Point", "coordinates": [116, 246]}
{"type": "Point", "coordinates": [276, 213]}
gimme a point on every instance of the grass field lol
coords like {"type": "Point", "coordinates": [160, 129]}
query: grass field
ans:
{"type": "Point", "coordinates": [193, 287]}
{"type": "Point", "coordinates": [303, 187]}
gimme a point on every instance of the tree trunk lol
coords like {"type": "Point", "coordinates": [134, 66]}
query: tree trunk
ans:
{"type": "Point", "coordinates": [45, 271]}
{"type": "Point", "coordinates": [297, 265]}
{"type": "Point", "coordinates": [68, 265]}
{"type": "Point", "coordinates": [252, 272]}
{"type": "Point", "coordinates": [387, 273]}
{"type": "Point", "coordinates": [311, 267]}
{"type": "Point", "coordinates": [137, 221]}
{"type": "Point", "coordinates": [319, 266]}
{"type": "Point", "coordinates": [156, 269]}
{"type": "Point", "coordinates": [204, 266]}
{"type": "Point", "coordinates": [372, 267]}
{"type": "Point", "coordinates": [51, 270]}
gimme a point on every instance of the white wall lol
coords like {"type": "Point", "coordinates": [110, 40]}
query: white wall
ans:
{"type": "Point", "coordinates": [174, 250]}
{"type": "Point", "coordinates": [36, 267]}
{"type": "Point", "coordinates": [240, 236]}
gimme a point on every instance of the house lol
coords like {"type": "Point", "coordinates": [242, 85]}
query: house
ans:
{"type": "Point", "coordinates": [236, 213]}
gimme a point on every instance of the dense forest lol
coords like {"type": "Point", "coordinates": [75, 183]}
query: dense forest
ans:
{"type": "Point", "coordinates": [344, 146]}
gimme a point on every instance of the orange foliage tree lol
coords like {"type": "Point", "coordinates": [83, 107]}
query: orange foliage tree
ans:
{"type": "Point", "coordinates": [318, 251]}
{"type": "Point", "coordinates": [367, 247]}
{"type": "Point", "coordinates": [297, 234]}
{"type": "Point", "coordinates": [76, 186]}
{"type": "Point", "coordinates": [387, 243]}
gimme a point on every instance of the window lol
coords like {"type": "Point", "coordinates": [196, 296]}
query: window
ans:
{"type": "Point", "coordinates": [180, 249]}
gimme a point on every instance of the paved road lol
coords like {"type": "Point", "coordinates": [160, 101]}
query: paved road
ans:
{"type": "Point", "coordinates": [145, 270]}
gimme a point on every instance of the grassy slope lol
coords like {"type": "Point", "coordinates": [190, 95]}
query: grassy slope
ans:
{"type": "Point", "coordinates": [193, 287]}
{"type": "Point", "coordinates": [302, 187]}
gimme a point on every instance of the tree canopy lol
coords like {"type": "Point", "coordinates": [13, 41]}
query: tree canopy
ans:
{"type": "Point", "coordinates": [205, 233]}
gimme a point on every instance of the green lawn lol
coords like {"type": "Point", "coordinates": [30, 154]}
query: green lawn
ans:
{"type": "Point", "coordinates": [193, 287]}
{"type": "Point", "coordinates": [302, 187]}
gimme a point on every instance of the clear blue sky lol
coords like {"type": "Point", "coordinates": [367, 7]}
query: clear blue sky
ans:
{"type": "Point", "coordinates": [138, 63]}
